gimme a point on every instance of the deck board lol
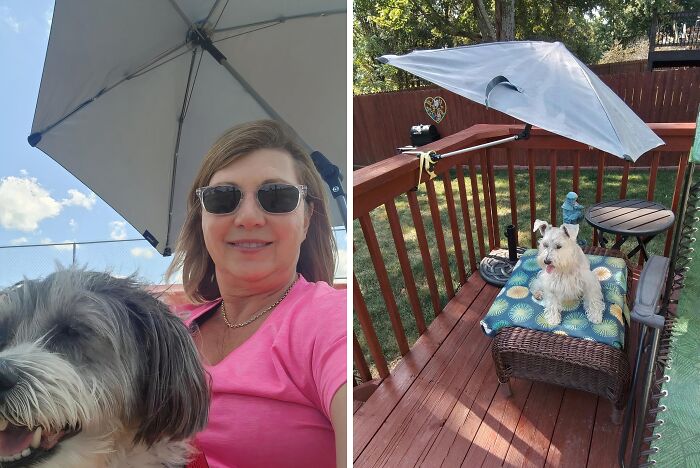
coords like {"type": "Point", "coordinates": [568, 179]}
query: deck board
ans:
{"type": "Point", "coordinates": [421, 408]}
{"type": "Point", "coordinates": [377, 409]}
{"type": "Point", "coordinates": [536, 426]}
{"type": "Point", "coordinates": [442, 406]}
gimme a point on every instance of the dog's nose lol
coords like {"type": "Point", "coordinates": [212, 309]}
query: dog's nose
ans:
{"type": "Point", "coordinates": [547, 261]}
{"type": "Point", "coordinates": [8, 377]}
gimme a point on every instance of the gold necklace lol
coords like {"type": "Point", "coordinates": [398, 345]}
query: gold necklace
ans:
{"type": "Point", "coordinates": [259, 314]}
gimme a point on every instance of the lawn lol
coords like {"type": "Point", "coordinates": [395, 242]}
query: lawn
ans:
{"type": "Point", "coordinates": [363, 270]}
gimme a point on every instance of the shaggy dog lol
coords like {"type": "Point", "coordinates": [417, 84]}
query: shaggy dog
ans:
{"type": "Point", "coordinates": [95, 372]}
{"type": "Point", "coordinates": [566, 274]}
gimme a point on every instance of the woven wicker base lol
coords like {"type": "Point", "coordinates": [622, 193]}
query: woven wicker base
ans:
{"type": "Point", "coordinates": [565, 360]}
{"type": "Point", "coordinates": [562, 360]}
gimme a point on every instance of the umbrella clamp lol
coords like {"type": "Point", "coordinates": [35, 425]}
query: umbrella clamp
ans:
{"type": "Point", "coordinates": [426, 161]}
{"type": "Point", "coordinates": [525, 134]}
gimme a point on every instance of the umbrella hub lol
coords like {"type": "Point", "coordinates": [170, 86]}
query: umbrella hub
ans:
{"type": "Point", "coordinates": [199, 35]}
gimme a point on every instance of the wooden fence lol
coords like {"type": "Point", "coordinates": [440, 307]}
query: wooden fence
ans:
{"type": "Point", "coordinates": [381, 122]}
{"type": "Point", "coordinates": [631, 66]}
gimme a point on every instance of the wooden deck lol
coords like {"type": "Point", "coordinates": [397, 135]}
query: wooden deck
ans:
{"type": "Point", "coordinates": [442, 406]}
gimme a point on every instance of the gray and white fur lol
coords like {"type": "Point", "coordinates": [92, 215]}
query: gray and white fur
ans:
{"type": "Point", "coordinates": [95, 372]}
{"type": "Point", "coordinates": [566, 274]}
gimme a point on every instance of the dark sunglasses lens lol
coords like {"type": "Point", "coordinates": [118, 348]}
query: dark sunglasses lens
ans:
{"type": "Point", "coordinates": [278, 198]}
{"type": "Point", "coordinates": [221, 200]}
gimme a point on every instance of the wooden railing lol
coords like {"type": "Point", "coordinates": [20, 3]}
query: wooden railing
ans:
{"type": "Point", "coordinates": [434, 242]}
{"type": "Point", "coordinates": [674, 40]}
{"type": "Point", "coordinates": [675, 30]}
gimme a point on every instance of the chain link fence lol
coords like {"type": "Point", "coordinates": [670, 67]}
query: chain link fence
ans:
{"type": "Point", "coordinates": [119, 257]}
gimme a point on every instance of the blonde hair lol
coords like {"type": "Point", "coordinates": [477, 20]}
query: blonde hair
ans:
{"type": "Point", "coordinates": [317, 252]}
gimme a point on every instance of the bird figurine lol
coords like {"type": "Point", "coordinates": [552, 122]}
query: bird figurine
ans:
{"type": "Point", "coordinates": [573, 211]}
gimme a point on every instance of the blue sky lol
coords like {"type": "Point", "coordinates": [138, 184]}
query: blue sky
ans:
{"type": "Point", "coordinates": [40, 202]}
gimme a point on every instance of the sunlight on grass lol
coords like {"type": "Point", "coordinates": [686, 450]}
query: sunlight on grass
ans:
{"type": "Point", "coordinates": [363, 267]}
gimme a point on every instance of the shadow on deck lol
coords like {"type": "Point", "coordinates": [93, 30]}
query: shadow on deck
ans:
{"type": "Point", "coordinates": [442, 406]}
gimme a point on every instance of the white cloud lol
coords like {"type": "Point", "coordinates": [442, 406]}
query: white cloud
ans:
{"type": "Point", "coordinates": [78, 198]}
{"type": "Point", "coordinates": [341, 265]}
{"type": "Point", "coordinates": [117, 230]}
{"type": "Point", "coordinates": [9, 19]}
{"type": "Point", "coordinates": [24, 203]}
{"type": "Point", "coordinates": [48, 16]}
{"type": "Point", "coordinates": [73, 224]}
{"type": "Point", "coordinates": [19, 241]}
{"type": "Point", "coordinates": [24, 172]}
{"type": "Point", "coordinates": [176, 278]}
{"type": "Point", "coordinates": [66, 245]}
{"type": "Point", "coordinates": [144, 252]}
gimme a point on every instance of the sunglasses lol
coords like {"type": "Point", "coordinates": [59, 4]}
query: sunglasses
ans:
{"type": "Point", "coordinates": [273, 198]}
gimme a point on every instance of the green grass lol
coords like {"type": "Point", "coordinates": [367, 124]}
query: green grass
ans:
{"type": "Point", "coordinates": [678, 446]}
{"type": "Point", "coordinates": [364, 271]}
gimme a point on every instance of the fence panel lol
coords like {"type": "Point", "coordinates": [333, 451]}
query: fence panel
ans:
{"type": "Point", "coordinates": [382, 121]}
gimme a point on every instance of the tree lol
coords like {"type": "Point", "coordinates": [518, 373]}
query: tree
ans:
{"type": "Point", "coordinates": [588, 28]}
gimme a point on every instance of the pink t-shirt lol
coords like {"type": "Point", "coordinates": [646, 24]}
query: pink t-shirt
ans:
{"type": "Point", "coordinates": [271, 396]}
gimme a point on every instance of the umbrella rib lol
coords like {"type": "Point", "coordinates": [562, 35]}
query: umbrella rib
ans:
{"type": "Point", "coordinates": [153, 63]}
{"type": "Point", "coordinates": [139, 71]}
{"type": "Point", "coordinates": [185, 106]}
{"type": "Point", "coordinates": [181, 13]}
{"type": "Point", "coordinates": [268, 25]}
{"type": "Point", "coordinates": [605, 111]}
{"type": "Point", "coordinates": [180, 121]}
{"type": "Point", "coordinates": [282, 19]}
{"type": "Point", "coordinates": [188, 95]}
{"type": "Point", "coordinates": [213, 9]}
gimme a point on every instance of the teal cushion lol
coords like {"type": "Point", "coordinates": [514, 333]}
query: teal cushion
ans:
{"type": "Point", "coordinates": [516, 307]}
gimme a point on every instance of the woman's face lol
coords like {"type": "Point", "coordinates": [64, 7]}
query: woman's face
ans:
{"type": "Point", "coordinates": [250, 244]}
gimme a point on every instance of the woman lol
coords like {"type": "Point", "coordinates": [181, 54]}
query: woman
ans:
{"type": "Point", "coordinates": [257, 251]}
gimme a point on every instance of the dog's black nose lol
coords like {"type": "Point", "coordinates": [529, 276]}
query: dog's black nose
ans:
{"type": "Point", "coordinates": [547, 261]}
{"type": "Point", "coordinates": [8, 377]}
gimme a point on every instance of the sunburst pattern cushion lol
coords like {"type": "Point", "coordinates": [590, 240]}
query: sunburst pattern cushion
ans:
{"type": "Point", "coordinates": [515, 305]}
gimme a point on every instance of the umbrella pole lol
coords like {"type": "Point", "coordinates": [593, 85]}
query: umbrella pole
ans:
{"type": "Point", "coordinates": [331, 175]}
{"type": "Point", "coordinates": [524, 135]}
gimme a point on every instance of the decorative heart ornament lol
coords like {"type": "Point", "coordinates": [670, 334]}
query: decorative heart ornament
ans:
{"type": "Point", "coordinates": [435, 107]}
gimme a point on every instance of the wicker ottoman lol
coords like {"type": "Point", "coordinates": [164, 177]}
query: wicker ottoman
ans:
{"type": "Point", "coordinates": [568, 361]}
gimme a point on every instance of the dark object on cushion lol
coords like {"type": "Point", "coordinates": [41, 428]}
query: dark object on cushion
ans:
{"type": "Point", "coordinates": [564, 360]}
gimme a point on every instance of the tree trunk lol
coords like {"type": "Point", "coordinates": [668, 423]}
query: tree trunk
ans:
{"type": "Point", "coordinates": [505, 20]}
{"type": "Point", "coordinates": [482, 18]}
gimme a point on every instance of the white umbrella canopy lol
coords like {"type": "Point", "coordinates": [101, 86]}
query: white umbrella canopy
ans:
{"type": "Point", "coordinates": [132, 96]}
{"type": "Point", "coordinates": [542, 84]}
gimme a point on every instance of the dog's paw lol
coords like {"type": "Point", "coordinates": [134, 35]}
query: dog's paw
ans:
{"type": "Point", "coordinates": [552, 316]}
{"type": "Point", "coordinates": [539, 294]}
{"type": "Point", "coordinates": [594, 311]}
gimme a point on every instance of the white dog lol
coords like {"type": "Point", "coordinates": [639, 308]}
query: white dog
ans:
{"type": "Point", "coordinates": [566, 274]}
{"type": "Point", "coordinates": [95, 372]}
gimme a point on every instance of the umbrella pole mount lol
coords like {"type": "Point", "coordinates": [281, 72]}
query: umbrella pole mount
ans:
{"type": "Point", "coordinates": [427, 159]}
{"type": "Point", "coordinates": [331, 175]}
{"type": "Point", "coordinates": [524, 135]}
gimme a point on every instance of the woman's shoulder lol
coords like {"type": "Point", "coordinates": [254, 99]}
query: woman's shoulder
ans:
{"type": "Point", "coordinates": [319, 295]}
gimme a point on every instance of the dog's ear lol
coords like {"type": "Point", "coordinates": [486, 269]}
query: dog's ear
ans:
{"type": "Point", "coordinates": [570, 230]}
{"type": "Point", "coordinates": [541, 226]}
{"type": "Point", "coordinates": [175, 398]}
